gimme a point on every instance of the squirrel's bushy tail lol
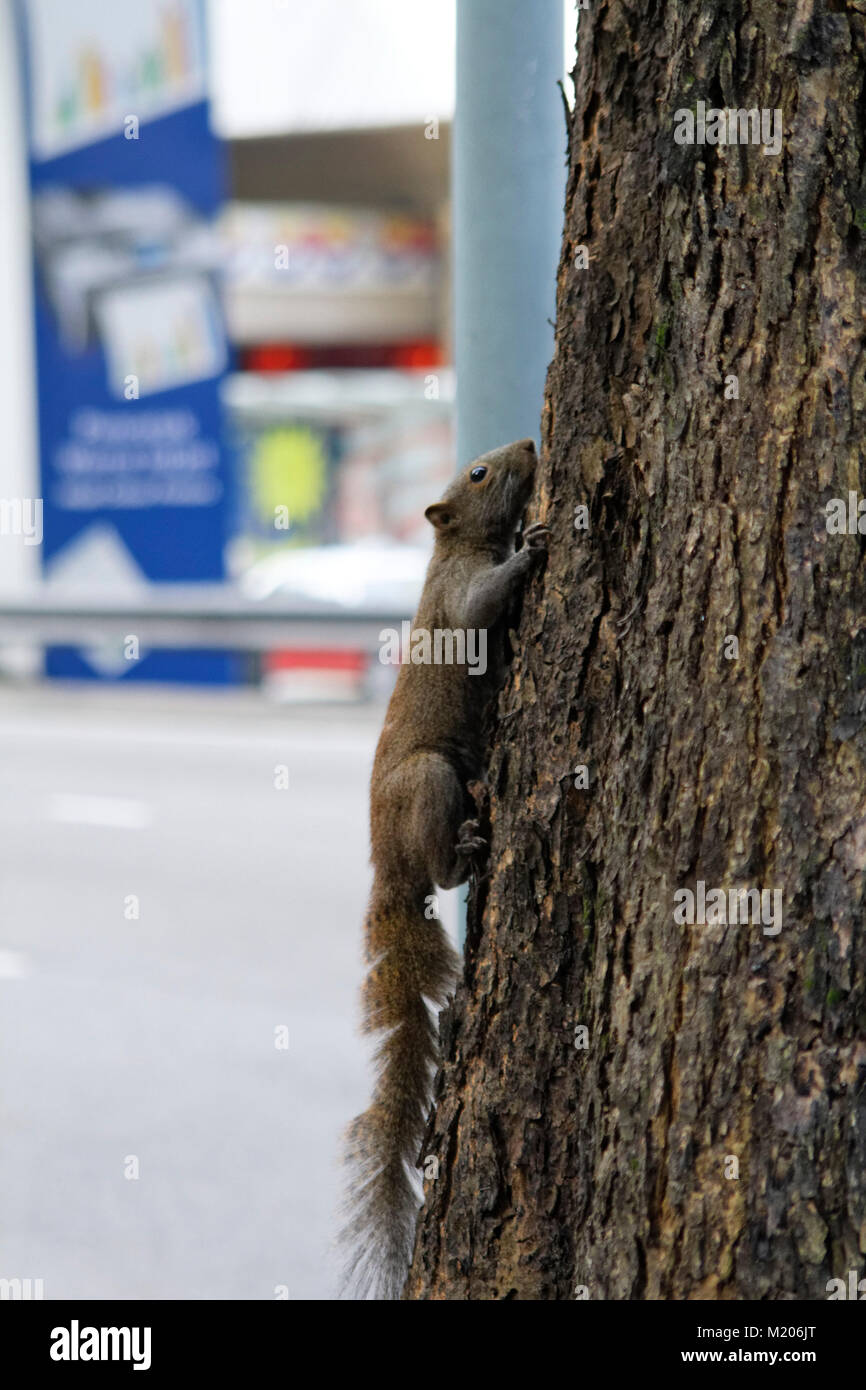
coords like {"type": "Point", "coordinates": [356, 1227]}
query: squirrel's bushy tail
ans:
{"type": "Point", "coordinates": [411, 961]}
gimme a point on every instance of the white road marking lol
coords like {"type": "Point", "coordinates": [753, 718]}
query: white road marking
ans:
{"type": "Point", "coordinates": [13, 965]}
{"type": "Point", "coordinates": [113, 811]}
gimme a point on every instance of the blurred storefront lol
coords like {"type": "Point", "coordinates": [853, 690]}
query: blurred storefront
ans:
{"type": "Point", "coordinates": [338, 303]}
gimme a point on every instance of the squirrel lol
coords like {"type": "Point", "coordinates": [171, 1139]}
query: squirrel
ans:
{"type": "Point", "coordinates": [423, 834]}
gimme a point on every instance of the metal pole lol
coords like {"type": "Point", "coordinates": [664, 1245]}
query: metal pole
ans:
{"type": "Point", "coordinates": [508, 186]}
{"type": "Point", "coordinates": [508, 193]}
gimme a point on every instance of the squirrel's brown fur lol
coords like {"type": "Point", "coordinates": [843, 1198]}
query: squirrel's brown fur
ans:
{"type": "Point", "coordinates": [428, 751]}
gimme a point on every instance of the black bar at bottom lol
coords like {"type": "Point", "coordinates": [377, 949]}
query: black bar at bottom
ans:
{"type": "Point", "coordinates": [161, 1339]}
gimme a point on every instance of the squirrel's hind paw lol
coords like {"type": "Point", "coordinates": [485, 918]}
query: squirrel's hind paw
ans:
{"type": "Point", "coordinates": [468, 842]}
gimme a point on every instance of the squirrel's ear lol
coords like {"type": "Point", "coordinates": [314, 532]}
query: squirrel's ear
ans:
{"type": "Point", "coordinates": [440, 516]}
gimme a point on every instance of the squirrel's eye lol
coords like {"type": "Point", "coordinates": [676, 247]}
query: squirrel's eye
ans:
{"type": "Point", "coordinates": [478, 473]}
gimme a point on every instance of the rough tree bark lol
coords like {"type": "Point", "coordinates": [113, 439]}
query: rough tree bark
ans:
{"type": "Point", "coordinates": [606, 1167]}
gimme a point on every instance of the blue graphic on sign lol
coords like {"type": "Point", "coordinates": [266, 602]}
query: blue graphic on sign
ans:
{"type": "Point", "coordinates": [126, 178]}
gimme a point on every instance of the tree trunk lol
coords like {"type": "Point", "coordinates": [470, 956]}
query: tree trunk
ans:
{"type": "Point", "coordinates": [709, 1140]}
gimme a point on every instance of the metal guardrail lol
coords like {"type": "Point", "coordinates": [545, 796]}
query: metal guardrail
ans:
{"type": "Point", "coordinates": [202, 616]}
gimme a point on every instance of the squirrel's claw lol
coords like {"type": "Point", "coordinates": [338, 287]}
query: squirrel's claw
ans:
{"type": "Point", "coordinates": [468, 843]}
{"type": "Point", "coordinates": [468, 848]}
{"type": "Point", "coordinates": [535, 536]}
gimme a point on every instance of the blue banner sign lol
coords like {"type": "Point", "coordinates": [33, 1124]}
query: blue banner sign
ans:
{"type": "Point", "coordinates": [126, 178]}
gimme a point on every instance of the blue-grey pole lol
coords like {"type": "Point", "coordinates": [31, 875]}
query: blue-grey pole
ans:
{"type": "Point", "coordinates": [508, 192]}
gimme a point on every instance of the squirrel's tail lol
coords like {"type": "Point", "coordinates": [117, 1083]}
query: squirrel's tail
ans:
{"type": "Point", "coordinates": [411, 961]}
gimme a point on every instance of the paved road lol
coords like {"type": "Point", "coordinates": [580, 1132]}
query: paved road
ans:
{"type": "Point", "coordinates": [154, 1038]}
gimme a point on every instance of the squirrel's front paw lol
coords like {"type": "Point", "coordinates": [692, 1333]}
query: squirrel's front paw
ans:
{"type": "Point", "coordinates": [535, 537]}
{"type": "Point", "coordinates": [468, 842]}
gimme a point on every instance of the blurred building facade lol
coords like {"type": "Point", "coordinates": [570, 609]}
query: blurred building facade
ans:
{"type": "Point", "coordinates": [330, 253]}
